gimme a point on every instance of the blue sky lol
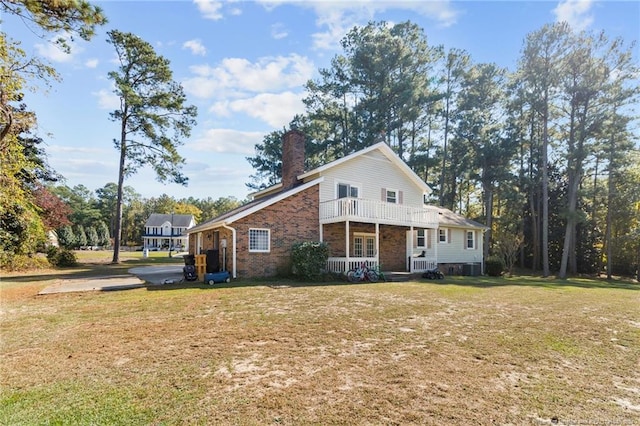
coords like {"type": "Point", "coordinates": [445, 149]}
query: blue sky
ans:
{"type": "Point", "coordinates": [244, 64]}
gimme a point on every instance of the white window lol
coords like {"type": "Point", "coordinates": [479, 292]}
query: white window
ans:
{"type": "Point", "coordinates": [421, 240]}
{"type": "Point", "coordinates": [392, 196]}
{"type": "Point", "coordinates": [346, 190]}
{"type": "Point", "coordinates": [259, 240]}
{"type": "Point", "coordinates": [443, 235]}
{"type": "Point", "coordinates": [471, 240]}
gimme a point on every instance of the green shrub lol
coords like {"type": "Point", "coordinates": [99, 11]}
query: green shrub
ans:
{"type": "Point", "coordinates": [309, 259]}
{"type": "Point", "coordinates": [61, 257]}
{"type": "Point", "coordinates": [494, 266]}
{"type": "Point", "coordinates": [22, 262]}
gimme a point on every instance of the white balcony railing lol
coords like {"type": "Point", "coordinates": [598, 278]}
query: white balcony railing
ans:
{"type": "Point", "coordinates": [365, 210]}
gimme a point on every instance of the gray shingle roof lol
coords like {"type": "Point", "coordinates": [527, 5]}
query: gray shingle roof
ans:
{"type": "Point", "coordinates": [178, 220]}
{"type": "Point", "coordinates": [449, 218]}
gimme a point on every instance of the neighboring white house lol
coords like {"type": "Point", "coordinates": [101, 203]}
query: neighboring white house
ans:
{"type": "Point", "coordinates": [162, 231]}
{"type": "Point", "coordinates": [367, 206]}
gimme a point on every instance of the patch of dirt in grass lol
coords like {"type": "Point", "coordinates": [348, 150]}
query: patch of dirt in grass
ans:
{"type": "Point", "coordinates": [345, 354]}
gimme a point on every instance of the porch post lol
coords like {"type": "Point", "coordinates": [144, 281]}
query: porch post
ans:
{"type": "Point", "coordinates": [378, 244]}
{"type": "Point", "coordinates": [436, 237]}
{"type": "Point", "coordinates": [411, 251]}
{"type": "Point", "coordinates": [321, 236]}
{"type": "Point", "coordinates": [346, 241]}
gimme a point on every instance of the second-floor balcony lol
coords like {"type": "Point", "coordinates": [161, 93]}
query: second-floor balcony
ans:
{"type": "Point", "coordinates": [375, 211]}
{"type": "Point", "coordinates": [159, 234]}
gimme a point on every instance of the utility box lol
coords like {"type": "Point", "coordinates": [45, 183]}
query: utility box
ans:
{"type": "Point", "coordinates": [471, 269]}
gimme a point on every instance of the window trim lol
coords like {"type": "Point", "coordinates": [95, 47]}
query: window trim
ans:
{"type": "Point", "coordinates": [349, 186]}
{"type": "Point", "coordinates": [446, 236]}
{"type": "Point", "coordinates": [395, 196]}
{"type": "Point", "coordinates": [424, 238]}
{"type": "Point", "coordinates": [473, 240]}
{"type": "Point", "coordinates": [268, 233]}
{"type": "Point", "coordinates": [365, 236]}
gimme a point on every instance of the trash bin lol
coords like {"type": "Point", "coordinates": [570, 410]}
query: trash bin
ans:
{"type": "Point", "coordinates": [145, 253]}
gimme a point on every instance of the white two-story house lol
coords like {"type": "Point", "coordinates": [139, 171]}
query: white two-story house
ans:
{"type": "Point", "coordinates": [368, 207]}
{"type": "Point", "coordinates": [164, 231]}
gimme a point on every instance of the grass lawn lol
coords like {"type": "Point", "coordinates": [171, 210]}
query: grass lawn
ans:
{"type": "Point", "coordinates": [463, 351]}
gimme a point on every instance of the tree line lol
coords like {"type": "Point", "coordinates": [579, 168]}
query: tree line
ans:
{"type": "Point", "coordinates": [92, 214]}
{"type": "Point", "coordinates": [545, 154]}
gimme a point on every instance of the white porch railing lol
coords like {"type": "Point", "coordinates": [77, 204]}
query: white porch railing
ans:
{"type": "Point", "coordinates": [365, 210]}
{"type": "Point", "coordinates": [344, 264]}
{"type": "Point", "coordinates": [421, 264]}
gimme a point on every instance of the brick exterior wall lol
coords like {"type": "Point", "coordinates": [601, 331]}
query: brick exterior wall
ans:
{"type": "Point", "coordinates": [291, 220]}
{"type": "Point", "coordinates": [392, 242]}
{"type": "Point", "coordinates": [393, 248]}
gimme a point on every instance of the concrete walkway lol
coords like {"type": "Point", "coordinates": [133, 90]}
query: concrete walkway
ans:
{"type": "Point", "coordinates": [140, 277]}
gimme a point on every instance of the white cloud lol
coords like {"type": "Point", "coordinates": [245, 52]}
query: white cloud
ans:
{"type": "Point", "coordinates": [277, 110]}
{"type": "Point", "coordinates": [107, 99]}
{"type": "Point", "coordinates": [338, 17]}
{"type": "Point", "coordinates": [210, 9]}
{"type": "Point", "coordinates": [227, 141]}
{"type": "Point", "coordinates": [239, 76]}
{"type": "Point", "coordinates": [91, 63]}
{"type": "Point", "coordinates": [278, 31]}
{"type": "Point", "coordinates": [53, 52]}
{"type": "Point", "coordinates": [575, 13]}
{"type": "Point", "coordinates": [196, 47]}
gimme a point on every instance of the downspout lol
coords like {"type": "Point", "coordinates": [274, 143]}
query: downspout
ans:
{"type": "Point", "coordinates": [233, 248]}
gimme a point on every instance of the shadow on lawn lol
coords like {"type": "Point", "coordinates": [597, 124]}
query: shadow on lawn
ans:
{"type": "Point", "coordinates": [276, 284]}
{"type": "Point", "coordinates": [476, 282]}
{"type": "Point", "coordinates": [90, 270]}
{"type": "Point", "coordinates": [537, 281]}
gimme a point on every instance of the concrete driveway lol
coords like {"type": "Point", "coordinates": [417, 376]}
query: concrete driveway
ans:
{"type": "Point", "coordinates": [139, 277]}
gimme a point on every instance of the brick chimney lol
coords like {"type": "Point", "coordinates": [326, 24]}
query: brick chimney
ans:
{"type": "Point", "coordinates": [292, 158]}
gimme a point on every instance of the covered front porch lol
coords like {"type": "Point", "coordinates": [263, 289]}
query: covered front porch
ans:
{"type": "Point", "coordinates": [382, 235]}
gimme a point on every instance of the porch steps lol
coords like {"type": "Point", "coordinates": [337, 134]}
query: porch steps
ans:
{"type": "Point", "coordinates": [398, 276]}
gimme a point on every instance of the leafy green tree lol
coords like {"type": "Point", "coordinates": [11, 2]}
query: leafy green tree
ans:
{"type": "Point", "coordinates": [20, 161]}
{"type": "Point", "coordinates": [153, 116]}
{"type": "Point", "coordinates": [104, 239]}
{"type": "Point", "coordinates": [480, 126]}
{"type": "Point", "coordinates": [82, 202]}
{"type": "Point", "coordinates": [81, 236]}
{"type": "Point", "coordinates": [92, 236]}
{"type": "Point", "coordinates": [540, 70]}
{"type": "Point", "coordinates": [70, 17]}
{"type": "Point", "coordinates": [66, 237]}
{"type": "Point", "coordinates": [107, 199]}
{"type": "Point", "coordinates": [457, 63]}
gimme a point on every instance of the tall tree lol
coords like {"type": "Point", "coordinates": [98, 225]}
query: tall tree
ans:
{"type": "Point", "coordinates": [480, 125]}
{"type": "Point", "coordinates": [457, 63]}
{"type": "Point", "coordinates": [540, 70]}
{"type": "Point", "coordinates": [22, 228]}
{"type": "Point", "coordinates": [623, 92]}
{"type": "Point", "coordinates": [153, 117]}
{"type": "Point", "coordinates": [585, 82]}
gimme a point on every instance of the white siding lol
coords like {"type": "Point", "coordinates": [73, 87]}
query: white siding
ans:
{"type": "Point", "coordinates": [455, 251]}
{"type": "Point", "coordinates": [370, 172]}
